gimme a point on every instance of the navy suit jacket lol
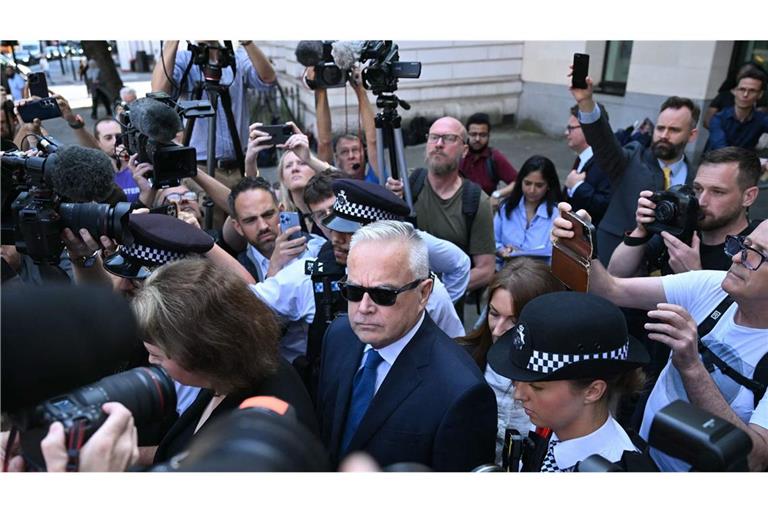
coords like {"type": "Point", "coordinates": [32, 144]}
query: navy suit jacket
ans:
{"type": "Point", "coordinates": [594, 193]}
{"type": "Point", "coordinates": [433, 407]}
{"type": "Point", "coordinates": [630, 169]}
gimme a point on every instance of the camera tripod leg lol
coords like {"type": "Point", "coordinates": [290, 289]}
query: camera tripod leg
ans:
{"type": "Point", "coordinates": [226, 102]}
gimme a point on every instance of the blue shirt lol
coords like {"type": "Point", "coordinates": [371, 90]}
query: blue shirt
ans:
{"type": "Point", "coordinates": [246, 78]}
{"type": "Point", "coordinates": [528, 240]}
{"type": "Point", "coordinates": [726, 130]}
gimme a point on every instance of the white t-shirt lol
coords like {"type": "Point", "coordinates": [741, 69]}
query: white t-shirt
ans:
{"type": "Point", "coordinates": [740, 347]}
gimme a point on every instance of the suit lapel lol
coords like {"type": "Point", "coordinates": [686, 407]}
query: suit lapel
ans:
{"type": "Point", "coordinates": [349, 361]}
{"type": "Point", "coordinates": [403, 378]}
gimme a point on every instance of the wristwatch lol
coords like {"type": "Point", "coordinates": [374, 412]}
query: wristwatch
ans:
{"type": "Point", "coordinates": [496, 194]}
{"type": "Point", "coordinates": [86, 261]}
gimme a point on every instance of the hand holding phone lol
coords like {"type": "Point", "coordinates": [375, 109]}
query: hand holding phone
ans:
{"type": "Point", "coordinates": [38, 85]}
{"type": "Point", "coordinates": [571, 257]}
{"type": "Point", "coordinates": [580, 70]}
{"type": "Point", "coordinates": [280, 133]}
{"type": "Point", "coordinates": [288, 220]}
{"type": "Point", "coordinates": [42, 109]}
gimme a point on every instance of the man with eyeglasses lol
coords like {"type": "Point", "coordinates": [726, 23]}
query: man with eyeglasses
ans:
{"type": "Point", "coordinates": [483, 164]}
{"type": "Point", "coordinates": [679, 308]}
{"type": "Point", "coordinates": [742, 124]}
{"type": "Point", "coordinates": [392, 384]}
{"type": "Point", "coordinates": [586, 186]}
{"type": "Point", "coordinates": [440, 195]}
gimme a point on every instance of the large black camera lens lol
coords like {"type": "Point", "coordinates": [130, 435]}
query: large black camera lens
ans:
{"type": "Point", "coordinates": [666, 211]}
{"type": "Point", "coordinates": [147, 392]}
{"type": "Point", "coordinates": [99, 219]}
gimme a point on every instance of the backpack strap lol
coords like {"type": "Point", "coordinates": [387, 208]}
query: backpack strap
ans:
{"type": "Point", "coordinates": [490, 168]}
{"type": "Point", "coordinates": [757, 384]}
{"type": "Point", "coordinates": [470, 203]}
{"type": "Point", "coordinates": [416, 178]}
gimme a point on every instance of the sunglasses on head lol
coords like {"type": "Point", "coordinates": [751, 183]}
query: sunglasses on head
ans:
{"type": "Point", "coordinates": [381, 296]}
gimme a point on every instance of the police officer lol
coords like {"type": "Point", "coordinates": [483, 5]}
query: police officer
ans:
{"type": "Point", "coordinates": [567, 371]}
{"type": "Point", "coordinates": [307, 290]}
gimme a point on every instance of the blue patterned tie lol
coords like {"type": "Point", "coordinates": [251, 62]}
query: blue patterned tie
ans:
{"type": "Point", "coordinates": [363, 388]}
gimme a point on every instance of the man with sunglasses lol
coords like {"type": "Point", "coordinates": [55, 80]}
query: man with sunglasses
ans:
{"type": "Point", "coordinates": [680, 305]}
{"type": "Point", "coordinates": [392, 384]}
{"type": "Point", "coordinates": [307, 290]}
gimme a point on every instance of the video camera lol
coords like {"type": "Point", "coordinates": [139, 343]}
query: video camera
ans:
{"type": "Point", "coordinates": [682, 430]}
{"type": "Point", "coordinates": [381, 75]}
{"type": "Point", "coordinates": [332, 61]}
{"type": "Point", "coordinates": [149, 126]}
{"type": "Point", "coordinates": [34, 214]}
{"type": "Point", "coordinates": [148, 392]}
{"type": "Point", "coordinates": [677, 212]}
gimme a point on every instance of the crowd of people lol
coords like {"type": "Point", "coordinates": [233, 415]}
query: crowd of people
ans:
{"type": "Point", "coordinates": [353, 320]}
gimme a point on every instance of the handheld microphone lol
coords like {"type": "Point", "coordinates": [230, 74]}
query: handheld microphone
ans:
{"type": "Point", "coordinates": [155, 119]}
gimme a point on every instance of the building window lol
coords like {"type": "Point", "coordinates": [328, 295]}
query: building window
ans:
{"type": "Point", "coordinates": [615, 67]}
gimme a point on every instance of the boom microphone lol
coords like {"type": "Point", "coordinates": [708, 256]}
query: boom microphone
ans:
{"type": "Point", "coordinates": [309, 53]}
{"type": "Point", "coordinates": [155, 119]}
{"type": "Point", "coordinates": [81, 174]}
{"type": "Point", "coordinates": [57, 338]}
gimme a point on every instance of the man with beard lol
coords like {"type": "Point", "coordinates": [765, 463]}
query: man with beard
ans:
{"type": "Point", "coordinates": [439, 197]}
{"type": "Point", "coordinates": [634, 167]}
{"type": "Point", "coordinates": [726, 186]}
{"type": "Point", "coordinates": [483, 164]}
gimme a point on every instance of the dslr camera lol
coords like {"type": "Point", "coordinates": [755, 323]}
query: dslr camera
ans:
{"type": "Point", "coordinates": [148, 392]}
{"type": "Point", "coordinates": [34, 215]}
{"type": "Point", "coordinates": [677, 212]}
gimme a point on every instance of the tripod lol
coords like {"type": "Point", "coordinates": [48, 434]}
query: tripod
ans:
{"type": "Point", "coordinates": [211, 84]}
{"type": "Point", "coordinates": [389, 132]}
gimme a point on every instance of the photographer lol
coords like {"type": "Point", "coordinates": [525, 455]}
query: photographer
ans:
{"type": "Point", "coordinates": [113, 447]}
{"type": "Point", "coordinates": [725, 186]}
{"type": "Point", "coordinates": [347, 149]}
{"type": "Point", "coordinates": [254, 71]}
{"type": "Point", "coordinates": [679, 303]}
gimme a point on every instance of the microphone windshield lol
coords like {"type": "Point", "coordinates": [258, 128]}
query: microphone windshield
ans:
{"type": "Point", "coordinates": [309, 53]}
{"type": "Point", "coordinates": [155, 119]}
{"type": "Point", "coordinates": [82, 174]}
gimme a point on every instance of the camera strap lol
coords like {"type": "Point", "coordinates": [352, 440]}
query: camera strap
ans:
{"type": "Point", "coordinates": [75, 441]}
{"type": "Point", "coordinates": [758, 388]}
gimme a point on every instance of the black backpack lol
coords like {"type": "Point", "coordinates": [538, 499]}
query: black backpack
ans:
{"type": "Point", "coordinates": [470, 196]}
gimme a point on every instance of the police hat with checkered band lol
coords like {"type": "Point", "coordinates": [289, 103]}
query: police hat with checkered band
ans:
{"type": "Point", "coordinates": [567, 335]}
{"type": "Point", "coordinates": [361, 202]}
{"type": "Point", "coordinates": [155, 240]}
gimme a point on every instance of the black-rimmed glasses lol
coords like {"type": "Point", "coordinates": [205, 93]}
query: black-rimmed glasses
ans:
{"type": "Point", "coordinates": [750, 257]}
{"type": "Point", "coordinates": [381, 296]}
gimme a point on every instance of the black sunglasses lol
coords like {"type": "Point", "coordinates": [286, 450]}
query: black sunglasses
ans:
{"type": "Point", "coordinates": [381, 296]}
{"type": "Point", "coordinates": [750, 258]}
